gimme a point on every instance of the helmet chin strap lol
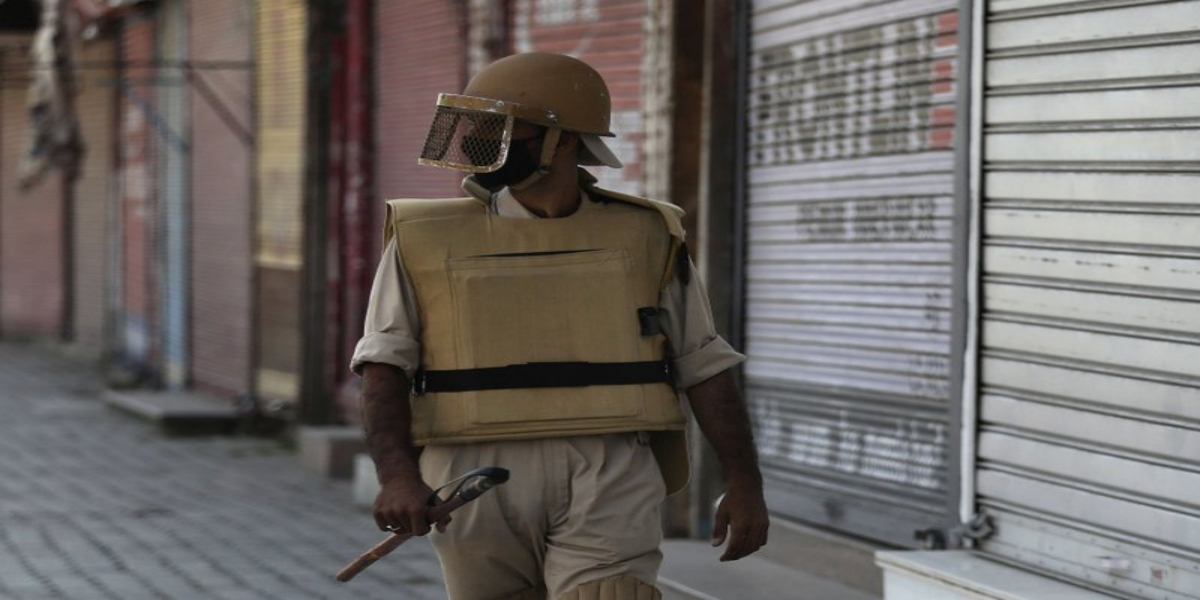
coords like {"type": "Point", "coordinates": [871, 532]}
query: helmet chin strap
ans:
{"type": "Point", "coordinates": [549, 144]}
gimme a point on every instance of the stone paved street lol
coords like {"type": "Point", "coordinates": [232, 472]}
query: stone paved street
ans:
{"type": "Point", "coordinates": [96, 504]}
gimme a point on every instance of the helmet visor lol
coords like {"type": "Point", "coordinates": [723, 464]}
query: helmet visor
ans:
{"type": "Point", "coordinates": [476, 142]}
{"type": "Point", "coordinates": [472, 134]}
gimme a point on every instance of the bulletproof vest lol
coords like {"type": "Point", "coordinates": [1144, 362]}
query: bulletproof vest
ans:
{"type": "Point", "coordinates": [539, 296]}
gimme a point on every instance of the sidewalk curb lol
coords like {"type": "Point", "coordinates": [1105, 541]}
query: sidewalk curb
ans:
{"type": "Point", "coordinates": [179, 413]}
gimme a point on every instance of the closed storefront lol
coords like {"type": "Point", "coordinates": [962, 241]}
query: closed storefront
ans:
{"type": "Point", "coordinates": [222, 210]}
{"type": "Point", "coordinates": [281, 89]}
{"type": "Point", "coordinates": [609, 35]}
{"type": "Point", "coordinates": [850, 275]}
{"type": "Point", "coordinates": [31, 220]}
{"type": "Point", "coordinates": [1089, 440]}
{"type": "Point", "coordinates": [419, 53]}
{"type": "Point", "coordinates": [94, 195]}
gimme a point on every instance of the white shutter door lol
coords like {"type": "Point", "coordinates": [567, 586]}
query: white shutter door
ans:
{"type": "Point", "coordinates": [1089, 443]}
{"type": "Point", "coordinates": [849, 249]}
{"type": "Point", "coordinates": [174, 149]}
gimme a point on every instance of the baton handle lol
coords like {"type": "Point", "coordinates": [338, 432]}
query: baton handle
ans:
{"type": "Point", "coordinates": [393, 541]}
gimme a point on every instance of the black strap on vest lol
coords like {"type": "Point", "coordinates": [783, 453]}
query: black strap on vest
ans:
{"type": "Point", "coordinates": [543, 375]}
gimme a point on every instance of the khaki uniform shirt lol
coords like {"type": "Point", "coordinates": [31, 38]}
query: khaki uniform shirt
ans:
{"type": "Point", "coordinates": [392, 329]}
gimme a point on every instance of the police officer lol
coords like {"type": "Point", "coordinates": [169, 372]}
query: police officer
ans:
{"type": "Point", "coordinates": [544, 324]}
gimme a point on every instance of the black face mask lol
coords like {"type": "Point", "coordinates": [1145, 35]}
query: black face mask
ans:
{"type": "Point", "coordinates": [520, 163]}
{"type": "Point", "coordinates": [480, 150]}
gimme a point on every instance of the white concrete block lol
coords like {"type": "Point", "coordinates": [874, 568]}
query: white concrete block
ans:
{"type": "Point", "coordinates": [330, 451]}
{"type": "Point", "coordinates": [967, 575]}
{"type": "Point", "coordinates": [366, 485]}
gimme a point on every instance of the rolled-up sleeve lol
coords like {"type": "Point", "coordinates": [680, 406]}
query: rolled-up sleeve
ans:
{"type": "Point", "coordinates": [391, 328]}
{"type": "Point", "coordinates": [686, 317]}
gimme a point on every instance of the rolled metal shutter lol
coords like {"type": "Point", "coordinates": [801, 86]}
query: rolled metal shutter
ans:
{"type": "Point", "coordinates": [611, 37]}
{"type": "Point", "coordinates": [419, 53]}
{"type": "Point", "coordinates": [222, 215]}
{"type": "Point", "coordinates": [94, 193]}
{"type": "Point", "coordinates": [279, 254]}
{"type": "Point", "coordinates": [174, 155]}
{"type": "Point", "coordinates": [849, 261]}
{"type": "Point", "coordinates": [1089, 442]}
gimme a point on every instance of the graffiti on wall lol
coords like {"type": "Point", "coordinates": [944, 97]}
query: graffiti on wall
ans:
{"type": "Point", "coordinates": [896, 219]}
{"type": "Point", "coordinates": [911, 452]}
{"type": "Point", "coordinates": [879, 90]}
{"type": "Point", "coordinates": [629, 130]}
{"type": "Point", "coordinates": [529, 15]}
{"type": "Point", "coordinates": [606, 41]}
{"type": "Point", "coordinates": [559, 12]}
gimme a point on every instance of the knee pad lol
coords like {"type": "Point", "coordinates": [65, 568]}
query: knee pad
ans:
{"type": "Point", "coordinates": [621, 587]}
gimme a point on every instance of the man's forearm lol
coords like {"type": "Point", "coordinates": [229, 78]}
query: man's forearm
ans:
{"type": "Point", "coordinates": [741, 517]}
{"type": "Point", "coordinates": [722, 417]}
{"type": "Point", "coordinates": [386, 419]}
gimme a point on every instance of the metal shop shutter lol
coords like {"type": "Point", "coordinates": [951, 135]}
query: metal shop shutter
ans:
{"type": "Point", "coordinates": [849, 262]}
{"type": "Point", "coordinates": [1089, 441]}
{"type": "Point", "coordinates": [609, 35]}
{"type": "Point", "coordinates": [222, 210]}
{"type": "Point", "coordinates": [279, 255]}
{"type": "Point", "coordinates": [174, 155]}
{"type": "Point", "coordinates": [419, 53]}
{"type": "Point", "coordinates": [135, 237]}
{"type": "Point", "coordinates": [31, 221]}
{"type": "Point", "coordinates": [94, 194]}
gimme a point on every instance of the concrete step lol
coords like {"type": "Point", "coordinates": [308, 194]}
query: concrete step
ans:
{"type": "Point", "coordinates": [178, 413]}
{"type": "Point", "coordinates": [846, 560]}
{"type": "Point", "coordinates": [969, 575]}
{"type": "Point", "coordinates": [330, 449]}
{"type": "Point", "coordinates": [691, 570]}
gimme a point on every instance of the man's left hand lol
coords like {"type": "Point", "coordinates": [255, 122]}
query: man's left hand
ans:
{"type": "Point", "coordinates": [742, 519]}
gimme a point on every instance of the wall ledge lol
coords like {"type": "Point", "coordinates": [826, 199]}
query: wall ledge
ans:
{"type": "Point", "coordinates": [955, 574]}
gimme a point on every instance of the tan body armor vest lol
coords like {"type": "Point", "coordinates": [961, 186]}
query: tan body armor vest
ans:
{"type": "Point", "coordinates": [494, 291]}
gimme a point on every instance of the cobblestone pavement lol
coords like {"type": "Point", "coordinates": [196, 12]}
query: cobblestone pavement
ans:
{"type": "Point", "coordinates": [96, 504]}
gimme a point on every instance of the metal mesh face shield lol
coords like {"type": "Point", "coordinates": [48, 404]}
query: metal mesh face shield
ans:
{"type": "Point", "coordinates": [473, 134]}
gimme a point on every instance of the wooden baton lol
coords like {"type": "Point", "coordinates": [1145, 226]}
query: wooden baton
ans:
{"type": "Point", "coordinates": [473, 485]}
{"type": "Point", "coordinates": [394, 540]}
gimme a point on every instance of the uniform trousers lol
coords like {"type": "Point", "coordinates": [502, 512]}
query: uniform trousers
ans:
{"type": "Point", "coordinates": [575, 509]}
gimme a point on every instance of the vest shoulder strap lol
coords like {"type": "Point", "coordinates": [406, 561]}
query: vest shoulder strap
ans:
{"type": "Point", "coordinates": [411, 209]}
{"type": "Point", "coordinates": [416, 209]}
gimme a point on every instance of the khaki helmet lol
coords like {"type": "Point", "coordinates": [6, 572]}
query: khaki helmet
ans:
{"type": "Point", "coordinates": [472, 131]}
{"type": "Point", "coordinates": [565, 91]}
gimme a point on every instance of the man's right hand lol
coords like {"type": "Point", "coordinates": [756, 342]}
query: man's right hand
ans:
{"type": "Point", "coordinates": [403, 499]}
{"type": "Point", "coordinates": [402, 504]}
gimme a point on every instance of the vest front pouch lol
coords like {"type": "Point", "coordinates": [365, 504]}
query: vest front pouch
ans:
{"type": "Point", "coordinates": [497, 293]}
{"type": "Point", "coordinates": [540, 307]}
